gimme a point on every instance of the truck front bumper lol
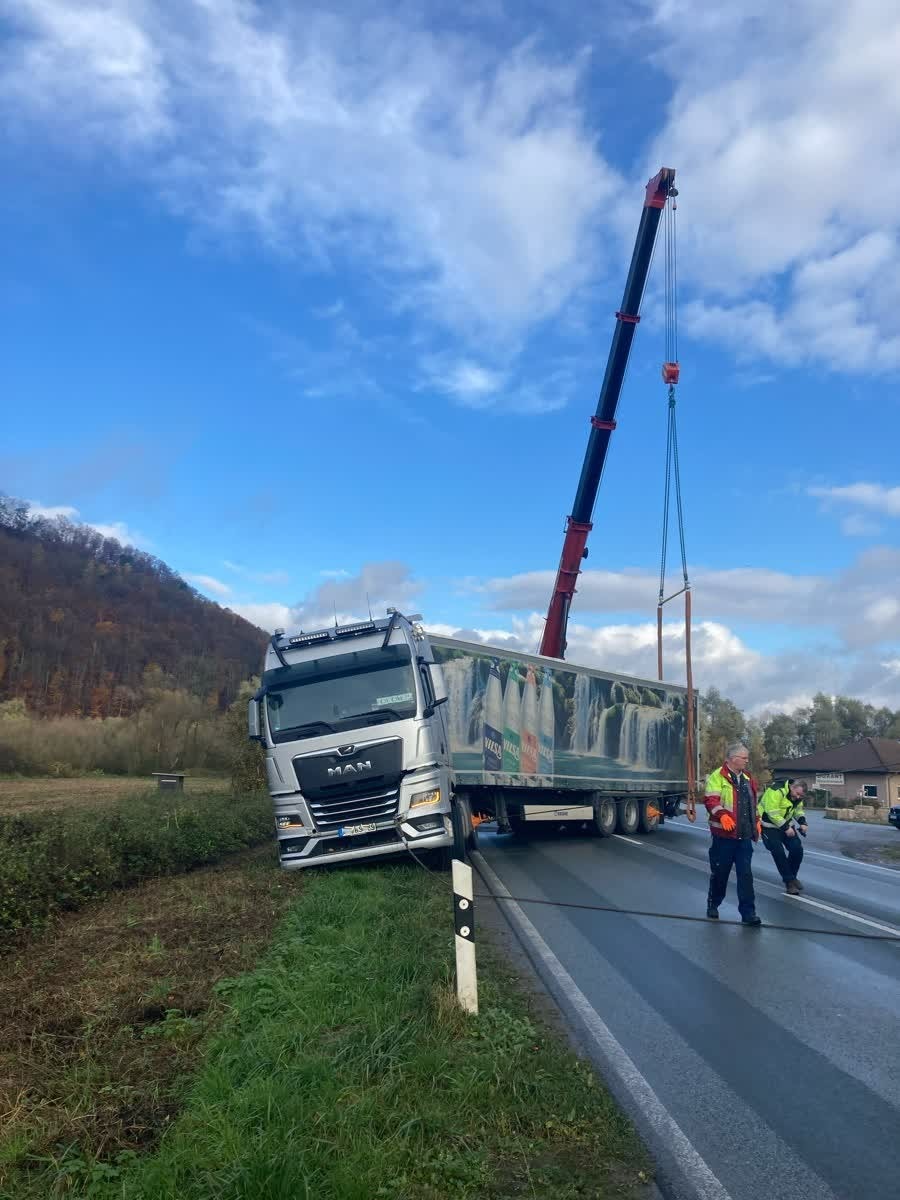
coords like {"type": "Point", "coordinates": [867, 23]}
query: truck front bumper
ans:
{"type": "Point", "coordinates": [315, 850]}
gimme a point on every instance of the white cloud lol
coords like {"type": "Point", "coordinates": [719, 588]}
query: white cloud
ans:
{"type": "Point", "coordinates": [117, 530]}
{"type": "Point", "coordinates": [276, 576]}
{"type": "Point", "coordinates": [121, 533]}
{"type": "Point", "coordinates": [472, 385]}
{"type": "Point", "coordinates": [758, 682]}
{"type": "Point", "coordinates": [125, 102]}
{"type": "Point", "coordinates": [378, 585]}
{"type": "Point", "coordinates": [855, 525]}
{"type": "Point", "coordinates": [785, 129]}
{"type": "Point", "coordinates": [345, 597]}
{"type": "Point", "coordinates": [50, 512]}
{"type": "Point", "coordinates": [850, 602]}
{"type": "Point", "coordinates": [466, 170]}
{"type": "Point", "coordinates": [208, 583]}
{"type": "Point", "coordinates": [268, 615]}
{"type": "Point", "coordinates": [872, 496]}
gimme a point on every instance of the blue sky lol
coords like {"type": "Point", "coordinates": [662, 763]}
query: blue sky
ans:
{"type": "Point", "coordinates": [316, 304]}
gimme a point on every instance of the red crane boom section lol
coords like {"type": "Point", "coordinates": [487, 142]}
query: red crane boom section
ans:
{"type": "Point", "coordinates": [603, 422]}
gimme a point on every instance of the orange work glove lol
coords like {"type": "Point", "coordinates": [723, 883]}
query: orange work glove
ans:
{"type": "Point", "coordinates": [758, 828]}
{"type": "Point", "coordinates": [727, 822]}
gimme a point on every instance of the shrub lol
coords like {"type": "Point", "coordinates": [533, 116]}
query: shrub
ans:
{"type": "Point", "coordinates": [54, 861]}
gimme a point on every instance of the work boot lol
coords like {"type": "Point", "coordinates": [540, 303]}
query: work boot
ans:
{"type": "Point", "coordinates": [754, 920]}
{"type": "Point", "coordinates": [712, 912]}
{"type": "Point", "coordinates": [792, 887]}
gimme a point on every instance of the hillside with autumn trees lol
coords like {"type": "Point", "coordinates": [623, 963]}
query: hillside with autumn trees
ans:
{"type": "Point", "coordinates": [89, 627]}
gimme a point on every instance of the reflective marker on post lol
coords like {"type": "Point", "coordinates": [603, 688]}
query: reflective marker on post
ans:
{"type": "Point", "coordinates": [464, 924]}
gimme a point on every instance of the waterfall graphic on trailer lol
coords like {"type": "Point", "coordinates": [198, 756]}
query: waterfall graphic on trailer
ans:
{"type": "Point", "coordinates": [511, 716]}
{"type": "Point", "coordinates": [647, 738]}
{"type": "Point", "coordinates": [553, 725]}
{"type": "Point", "coordinates": [528, 761]}
{"type": "Point", "coordinates": [582, 718]}
{"type": "Point", "coordinates": [461, 678]}
{"type": "Point", "coordinates": [493, 719]}
{"type": "Point", "coordinates": [546, 725]}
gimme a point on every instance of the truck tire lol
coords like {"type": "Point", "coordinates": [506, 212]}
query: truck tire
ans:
{"type": "Point", "coordinates": [629, 815]}
{"type": "Point", "coordinates": [517, 823]}
{"type": "Point", "coordinates": [465, 839]}
{"type": "Point", "coordinates": [605, 817]}
{"type": "Point", "coordinates": [650, 815]}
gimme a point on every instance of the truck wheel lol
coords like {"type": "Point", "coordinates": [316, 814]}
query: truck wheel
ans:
{"type": "Point", "coordinates": [605, 816]}
{"type": "Point", "coordinates": [465, 839]}
{"type": "Point", "coordinates": [650, 816]}
{"type": "Point", "coordinates": [517, 823]}
{"type": "Point", "coordinates": [629, 816]}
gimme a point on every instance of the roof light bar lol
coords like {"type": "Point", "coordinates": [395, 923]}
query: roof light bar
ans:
{"type": "Point", "coordinates": [351, 630]}
{"type": "Point", "coordinates": [305, 639]}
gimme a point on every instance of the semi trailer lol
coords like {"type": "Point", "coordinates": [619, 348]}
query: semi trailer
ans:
{"type": "Point", "coordinates": [382, 739]}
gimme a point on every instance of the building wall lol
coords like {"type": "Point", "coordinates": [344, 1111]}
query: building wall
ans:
{"type": "Point", "coordinates": [848, 792]}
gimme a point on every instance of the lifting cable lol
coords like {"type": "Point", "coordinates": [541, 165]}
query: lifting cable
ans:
{"type": "Point", "coordinates": [670, 373]}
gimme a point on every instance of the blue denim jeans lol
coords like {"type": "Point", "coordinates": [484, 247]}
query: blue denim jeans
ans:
{"type": "Point", "coordinates": [725, 853]}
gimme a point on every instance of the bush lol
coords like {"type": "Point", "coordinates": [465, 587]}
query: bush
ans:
{"type": "Point", "coordinates": [54, 861]}
{"type": "Point", "coordinates": [172, 732]}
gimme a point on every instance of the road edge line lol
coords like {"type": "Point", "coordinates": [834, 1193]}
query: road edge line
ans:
{"type": "Point", "coordinates": [658, 1124]}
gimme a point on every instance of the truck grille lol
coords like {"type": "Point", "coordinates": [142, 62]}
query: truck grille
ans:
{"type": "Point", "coordinates": [353, 807]}
{"type": "Point", "coordinates": [357, 786]}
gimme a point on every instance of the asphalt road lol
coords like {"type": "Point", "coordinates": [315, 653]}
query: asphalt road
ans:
{"type": "Point", "coordinates": [776, 1052]}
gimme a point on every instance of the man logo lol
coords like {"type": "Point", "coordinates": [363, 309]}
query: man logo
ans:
{"type": "Point", "coordinates": [350, 768]}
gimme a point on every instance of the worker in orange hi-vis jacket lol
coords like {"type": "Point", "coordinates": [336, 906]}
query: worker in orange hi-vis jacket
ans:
{"type": "Point", "coordinates": [731, 803]}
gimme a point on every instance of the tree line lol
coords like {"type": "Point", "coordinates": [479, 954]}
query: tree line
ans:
{"type": "Point", "coordinates": [83, 619]}
{"type": "Point", "coordinates": [826, 722]}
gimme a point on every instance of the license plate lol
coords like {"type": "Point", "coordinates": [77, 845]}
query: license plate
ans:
{"type": "Point", "coordinates": [353, 830]}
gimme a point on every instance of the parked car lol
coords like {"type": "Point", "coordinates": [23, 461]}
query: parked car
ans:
{"type": "Point", "coordinates": [894, 816]}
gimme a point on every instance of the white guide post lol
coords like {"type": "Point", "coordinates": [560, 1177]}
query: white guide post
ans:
{"type": "Point", "coordinates": [464, 923]}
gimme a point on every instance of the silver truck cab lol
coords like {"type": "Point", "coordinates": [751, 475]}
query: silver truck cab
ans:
{"type": "Point", "coordinates": [355, 734]}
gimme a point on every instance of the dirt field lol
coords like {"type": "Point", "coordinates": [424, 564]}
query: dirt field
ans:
{"type": "Point", "coordinates": [102, 1016]}
{"type": "Point", "coordinates": [28, 795]}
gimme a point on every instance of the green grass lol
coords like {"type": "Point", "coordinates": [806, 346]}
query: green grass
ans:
{"type": "Point", "coordinates": [51, 861]}
{"type": "Point", "coordinates": [342, 1069]}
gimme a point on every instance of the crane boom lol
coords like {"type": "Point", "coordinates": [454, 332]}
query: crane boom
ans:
{"type": "Point", "coordinates": [579, 523]}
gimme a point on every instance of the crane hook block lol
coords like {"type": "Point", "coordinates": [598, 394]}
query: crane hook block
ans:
{"type": "Point", "coordinates": [670, 372]}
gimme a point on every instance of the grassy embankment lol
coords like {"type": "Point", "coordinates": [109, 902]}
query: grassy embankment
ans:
{"type": "Point", "coordinates": [238, 1032]}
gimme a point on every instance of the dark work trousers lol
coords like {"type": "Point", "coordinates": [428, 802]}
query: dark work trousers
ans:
{"type": "Point", "coordinates": [787, 852]}
{"type": "Point", "coordinates": [725, 853]}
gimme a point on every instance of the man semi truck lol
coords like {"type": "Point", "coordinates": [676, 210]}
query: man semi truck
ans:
{"type": "Point", "coordinates": [381, 739]}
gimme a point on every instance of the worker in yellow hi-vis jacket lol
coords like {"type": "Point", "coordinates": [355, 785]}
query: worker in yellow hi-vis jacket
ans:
{"type": "Point", "coordinates": [784, 824]}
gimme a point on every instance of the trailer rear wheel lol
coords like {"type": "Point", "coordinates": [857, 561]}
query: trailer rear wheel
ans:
{"type": "Point", "coordinates": [650, 815]}
{"type": "Point", "coordinates": [629, 816]}
{"type": "Point", "coordinates": [465, 839]}
{"type": "Point", "coordinates": [605, 817]}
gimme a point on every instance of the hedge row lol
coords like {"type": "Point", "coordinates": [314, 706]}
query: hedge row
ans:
{"type": "Point", "coordinates": [53, 861]}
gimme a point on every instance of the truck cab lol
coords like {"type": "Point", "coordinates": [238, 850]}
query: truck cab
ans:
{"type": "Point", "coordinates": [353, 724]}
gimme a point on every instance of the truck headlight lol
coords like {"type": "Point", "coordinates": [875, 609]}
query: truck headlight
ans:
{"type": "Point", "coordinates": [288, 821]}
{"type": "Point", "coordinates": [432, 796]}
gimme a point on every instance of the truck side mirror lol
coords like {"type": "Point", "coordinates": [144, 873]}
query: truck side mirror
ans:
{"type": "Point", "coordinates": [253, 727]}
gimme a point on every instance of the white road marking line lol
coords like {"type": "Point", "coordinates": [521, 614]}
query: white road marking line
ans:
{"type": "Point", "coordinates": [630, 840]}
{"type": "Point", "coordinates": [843, 912]}
{"type": "Point", "coordinates": [695, 1169]}
{"type": "Point", "coordinates": [772, 889]}
{"type": "Point", "coordinates": [852, 862]}
{"type": "Point", "coordinates": [838, 858]}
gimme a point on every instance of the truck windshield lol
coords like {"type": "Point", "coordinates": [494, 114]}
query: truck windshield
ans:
{"type": "Point", "coordinates": [347, 691]}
